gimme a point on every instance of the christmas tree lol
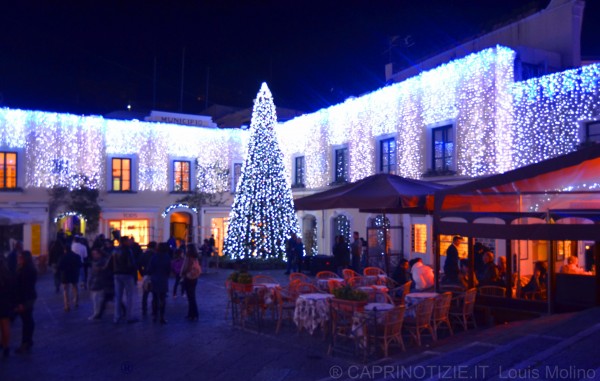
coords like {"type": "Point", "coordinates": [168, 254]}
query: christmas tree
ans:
{"type": "Point", "coordinates": [262, 217]}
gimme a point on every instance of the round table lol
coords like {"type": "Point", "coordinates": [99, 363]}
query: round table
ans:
{"type": "Point", "coordinates": [417, 297]}
{"type": "Point", "coordinates": [312, 312]}
{"type": "Point", "coordinates": [323, 284]}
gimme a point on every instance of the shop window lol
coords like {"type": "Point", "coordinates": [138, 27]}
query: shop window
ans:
{"type": "Point", "coordinates": [299, 172]}
{"type": "Point", "coordinates": [139, 229]}
{"type": "Point", "coordinates": [8, 170]}
{"type": "Point", "coordinates": [419, 238]}
{"type": "Point", "coordinates": [181, 176]}
{"type": "Point", "coordinates": [340, 156]}
{"type": "Point", "coordinates": [121, 175]}
{"type": "Point", "coordinates": [387, 156]}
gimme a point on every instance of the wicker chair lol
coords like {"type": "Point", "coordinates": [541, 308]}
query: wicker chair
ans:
{"type": "Point", "coordinates": [373, 271]}
{"type": "Point", "coordinates": [399, 293]}
{"type": "Point", "coordinates": [462, 313]}
{"type": "Point", "coordinates": [380, 297]}
{"type": "Point", "coordinates": [285, 308]}
{"type": "Point", "coordinates": [389, 330]}
{"type": "Point", "coordinates": [349, 273]}
{"type": "Point", "coordinates": [492, 291]}
{"type": "Point", "coordinates": [359, 281]}
{"type": "Point", "coordinates": [300, 276]}
{"type": "Point", "coordinates": [420, 320]}
{"type": "Point", "coordinates": [254, 306]}
{"type": "Point", "coordinates": [326, 275]}
{"type": "Point", "coordinates": [441, 310]}
{"type": "Point", "coordinates": [380, 275]}
{"type": "Point", "coordinates": [345, 328]}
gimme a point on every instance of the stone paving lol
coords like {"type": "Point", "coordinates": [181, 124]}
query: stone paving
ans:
{"type": "Point", "coordinates": [69, 347]}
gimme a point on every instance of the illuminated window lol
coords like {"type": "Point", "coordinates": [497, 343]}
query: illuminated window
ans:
{"type": "Point", "coordinates": [442, 148]}
{"type": "Point", "coordinates": [8, 170]}
{"type": "Point", "coordinates": [341, 165]}
{"type": "Point", "coordinates": [419, 238]}
{"type": "Point", "coordinates": [121, 175]}
{"type": "Point", "coordinates": [181, 176]}
{"type": "Point", "coordinates": [138, 229]}
{"type": "Point", "coordinates": [463, 247]}
{"type": "Point", "coordinates": [387, 156]}
{"type": "Point", "coordinates": [237, 173]}
{"type": "Point", "coordinates": [592, 132]}
{"type": "Point", "coordinates": [299, 171]}
{"type": "Point", "coordinates": [60, 166]}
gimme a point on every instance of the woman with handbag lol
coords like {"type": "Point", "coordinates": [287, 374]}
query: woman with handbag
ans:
{"type": "Point", "coordinates": [190, 272]}
{"type": "Point", "coordinates": [159, 269]}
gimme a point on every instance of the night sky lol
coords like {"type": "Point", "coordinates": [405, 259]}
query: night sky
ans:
{"type": "Point", "coordinates": [92, 57]}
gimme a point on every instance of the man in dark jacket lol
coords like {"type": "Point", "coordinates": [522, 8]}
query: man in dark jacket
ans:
{"type": "Point", "coordinates": [451, 264]}
{"type": "Point", "coordinates": [69, 266]}
{"type": "Point", "coordinates": [125, 270]}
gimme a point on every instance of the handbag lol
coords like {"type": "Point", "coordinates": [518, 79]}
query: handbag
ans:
{"type": "Point", "coordinates": [195, 270]}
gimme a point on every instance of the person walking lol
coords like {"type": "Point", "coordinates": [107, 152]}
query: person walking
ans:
{"type": "Point", "coordinates": [69, 267]}
{"type": "Point", "coordinates": [143, 269]}
{"type": "Point", "coordinates": [56, 252]}
{"type": "Point", "coordinates": [25, 296]}
{"type": "Point", "coordinates": [159, 269]}
{"type": "Point", "coordinates": [6, 305]}
{"type": "Point", "coordinates": [125, 270]}
{"type": "Point", "coordinates": [190, 272]}
{"type": "Point", "coordinates": [176, 266]}
{"type": "Point", "coordinates": [341, 254]}
{"type": "Point", "coordinates": [206, 252]}
{"type": "Point", "coordinates": [290, 252]}
{"type": "Point", "coordinates": [96, 282]}
{"type": "Point", "coordinates": [356, 249]}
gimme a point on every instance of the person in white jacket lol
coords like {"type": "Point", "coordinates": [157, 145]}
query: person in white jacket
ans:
{"type": "Point", "coordinates": [422, 275]}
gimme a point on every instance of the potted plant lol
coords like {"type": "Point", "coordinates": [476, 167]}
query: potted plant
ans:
{"type": "Point", "coordinates": [241, 281]}
{"type": "Point", "coordinates": [347, 298]}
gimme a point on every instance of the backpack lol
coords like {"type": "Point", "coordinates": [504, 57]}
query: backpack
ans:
{"type": "Point", "coordinates": [194, 270]}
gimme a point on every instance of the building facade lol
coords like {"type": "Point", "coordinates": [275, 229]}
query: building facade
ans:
{"type": "Point", "coordinates": [463, 118]}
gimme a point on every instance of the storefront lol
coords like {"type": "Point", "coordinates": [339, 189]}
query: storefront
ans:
{"type": "Point", "coordinates": [139, 224]}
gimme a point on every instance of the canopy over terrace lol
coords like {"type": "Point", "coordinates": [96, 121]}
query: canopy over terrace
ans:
{"type": "Point", "coordinates": [554, 200]}
{"type": "Point", "coordinates": [563, 187]}
{"type": "Point", "coordinates": [381, 193]}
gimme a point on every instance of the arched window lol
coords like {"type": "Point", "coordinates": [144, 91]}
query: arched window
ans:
{"type": "Point", "coordinates": [341, 226]}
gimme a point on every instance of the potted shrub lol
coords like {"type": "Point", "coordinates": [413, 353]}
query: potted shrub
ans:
{"type": "Point", "coordinates": [241, 281]}
{"type": "Point", "coordinates": [347, 298]}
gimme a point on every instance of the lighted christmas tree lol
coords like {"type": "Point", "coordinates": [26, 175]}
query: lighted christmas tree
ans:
{"type": "Point", "coordinates": [262, 217]}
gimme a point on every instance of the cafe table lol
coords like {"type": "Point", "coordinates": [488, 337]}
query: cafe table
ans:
{"type": "Point", "coordinates": [323, 284]}
{"type": "Point", "coordinates": [312, 312]}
